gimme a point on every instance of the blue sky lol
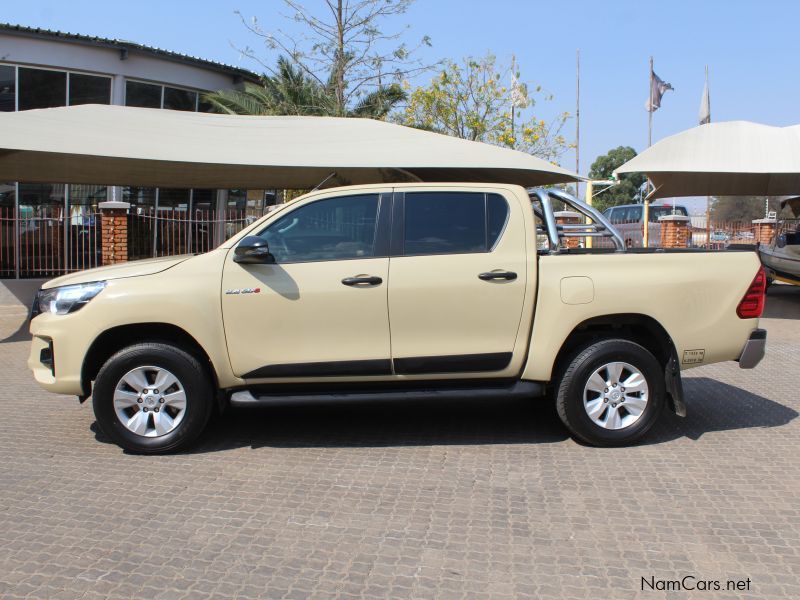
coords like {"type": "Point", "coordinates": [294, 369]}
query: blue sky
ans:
{"type": "Point", "coordinates": [750, 48]}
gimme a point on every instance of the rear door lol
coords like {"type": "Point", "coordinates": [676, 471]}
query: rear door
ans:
{"type": "Point", "coordinates": [458, 283]}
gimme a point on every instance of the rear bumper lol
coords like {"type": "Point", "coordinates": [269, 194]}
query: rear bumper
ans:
{"type": "Point", "coordinates": [753, 350]}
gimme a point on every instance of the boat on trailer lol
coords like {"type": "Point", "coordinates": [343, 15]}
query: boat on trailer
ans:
{"type": "Point", "coordinates": [781, 257]}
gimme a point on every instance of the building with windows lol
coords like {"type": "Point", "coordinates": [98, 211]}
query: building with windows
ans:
{"type": "Point", "coordinates": [48, 229]}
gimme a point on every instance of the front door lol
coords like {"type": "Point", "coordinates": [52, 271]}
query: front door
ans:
{"type": "Point", "coordinates": [321, 309]}
{"type": "Point", "coordinates": [458, 281]}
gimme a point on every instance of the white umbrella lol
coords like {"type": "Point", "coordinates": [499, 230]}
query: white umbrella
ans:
{"type": "Point", "coordinates": [735, 158]}
{"type": "Point", "coordinates": [117, 145]}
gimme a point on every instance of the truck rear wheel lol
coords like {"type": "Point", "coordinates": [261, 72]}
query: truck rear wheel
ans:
{"type": "Point", "coordinates": [611, 393]}
{"type": "Point", "coordinates": [152, 398]}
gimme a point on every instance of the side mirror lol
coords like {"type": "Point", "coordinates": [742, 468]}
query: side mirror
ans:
{"type": "Point", "coordinates": [253, 250]}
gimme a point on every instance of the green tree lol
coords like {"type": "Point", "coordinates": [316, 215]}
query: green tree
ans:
{"type": "Point", "coordinates": [291, 92]}
{"type": "Point", "coordinates": [623, 192]}
{"type": "Point", "coordinates": [343, 48]}
{"type": "Point", "coordinates": [741, 208]}
{"type": "Point", "coordinates": [482, 101]}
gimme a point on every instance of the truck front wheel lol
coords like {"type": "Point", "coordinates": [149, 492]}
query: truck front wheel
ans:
{"type": "Point", "coordinates": [152, 398]}
{"type": "Point", "coordinates": [611, 393]}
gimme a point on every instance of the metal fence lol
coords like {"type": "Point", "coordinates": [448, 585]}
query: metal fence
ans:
{"type": "Point", "coordinates": [46, 241]}
{"type": "Point", "coordinates": [721, 234]}
{"type": "Point", "coordinates": [169, 231]}
{"type": "Point", "coordinates": [718, 236]}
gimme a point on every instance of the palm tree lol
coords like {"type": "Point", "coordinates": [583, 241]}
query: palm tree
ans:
{"type": "Point", "coordinates": [291, 92]}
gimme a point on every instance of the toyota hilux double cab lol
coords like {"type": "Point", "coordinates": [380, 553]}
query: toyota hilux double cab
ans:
{"type": "Point", "coordinates": [419, 290]}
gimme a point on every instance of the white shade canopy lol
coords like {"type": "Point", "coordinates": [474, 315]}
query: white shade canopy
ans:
{"type": "Point", "coordinates": [117, 145]}
{"type": "Point", "coordinates": [734, 158]}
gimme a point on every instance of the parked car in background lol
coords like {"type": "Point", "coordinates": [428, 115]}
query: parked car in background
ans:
{"type": "Point", "coordinates": [629, 221]}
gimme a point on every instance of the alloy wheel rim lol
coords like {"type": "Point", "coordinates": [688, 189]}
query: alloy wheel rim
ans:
{"type": "Point", "coordinates": [150, 401]}
{"type": "Point", "coordinates": [615, 395]}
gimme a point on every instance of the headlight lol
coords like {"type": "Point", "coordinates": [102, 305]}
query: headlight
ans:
{"type": "Point", "coordinates": [66, 299]}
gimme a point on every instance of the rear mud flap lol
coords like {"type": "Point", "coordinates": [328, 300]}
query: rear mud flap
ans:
{"type": "Point", "coordinates": [674, 385]}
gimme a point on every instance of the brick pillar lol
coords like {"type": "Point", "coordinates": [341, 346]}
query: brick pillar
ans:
{"type": "Point", "coordinates": [675, 231]}
{"type": "Point", "coordinates": [114, 229]}
{"type": "Point", "coordinates": [569, 217]}
{"type": "Point", "coordinates": [764, 230]}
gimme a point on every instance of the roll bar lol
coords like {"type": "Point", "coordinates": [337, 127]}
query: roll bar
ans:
{"type": "Point", "coordinates": [599, 227]}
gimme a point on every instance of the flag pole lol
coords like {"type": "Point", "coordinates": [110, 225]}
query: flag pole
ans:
{"type": "Point", "coordinates": [513, 102]}
{"type": "Point", "coordinates": [708, 198]}
{"type": "Point", "coordinates": [650, 111]}
{"type": "Point", "coordinates": [577, 112]}
{"type": "Point", "coordinates": [646, 230]}
{"type": "Point", "coordinates": [588, 190]}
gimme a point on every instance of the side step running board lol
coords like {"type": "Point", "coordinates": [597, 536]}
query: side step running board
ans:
{"type": "Point", "coordinates": [520, 389]}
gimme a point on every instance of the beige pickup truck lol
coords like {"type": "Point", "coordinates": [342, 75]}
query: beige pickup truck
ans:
{"type": "Point", "coordinates": [407, 291]}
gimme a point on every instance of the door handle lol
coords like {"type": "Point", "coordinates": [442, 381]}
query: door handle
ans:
{"type": "Point", "coordinates": [507, 275]}
{"type": "Point", "coordinates": [368, 280]}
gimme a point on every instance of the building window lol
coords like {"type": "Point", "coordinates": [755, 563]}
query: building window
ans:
{"type": "Point", "coordinates": [177, 99]}
{"type": "Point", "coordinates": [146, 95]}
{"type": "Point", "coordinates": [87, 195]}
{"type": "Point", "coordinates": [139, 196]}
{"type": "Point", "coordinates": [89, 89]}
{"type": "Point", "coordinates": [151, 95]}
{"type": "Point", "coordinates": [8, 88]}
{"type": "Point", "coordinates": [39, 88]}
{"type": "Point", "coordinates": [173, 199]}
{"type": "Point", "coordinates": [205, 106]}
{"type": "Point", "coordinates": [204, 203]}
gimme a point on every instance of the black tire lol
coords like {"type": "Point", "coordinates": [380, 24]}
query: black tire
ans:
{"type": "Point", "coordinates": [570, 394]}
{"type": "Point", "coordinates": [194, 379]}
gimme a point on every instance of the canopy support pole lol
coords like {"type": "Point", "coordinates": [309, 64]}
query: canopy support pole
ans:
{"type": "Point", "coordinates": [589, 193]}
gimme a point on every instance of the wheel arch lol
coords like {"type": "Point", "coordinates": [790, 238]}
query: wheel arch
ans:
{"type": "Point", "coordinates": [115, 339]}
{"type": "Point", "coordinates": [635, 327]}
{"type": "Point", "coordinates": [640, 328]}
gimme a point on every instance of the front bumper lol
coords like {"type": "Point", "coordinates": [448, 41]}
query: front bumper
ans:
{"type": "Point", "coordinates": [58, 346]}
{"type": "Point", "coordinates": [754, 349]}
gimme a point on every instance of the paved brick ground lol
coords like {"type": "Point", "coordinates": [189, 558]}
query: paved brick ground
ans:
{"type": "Point", "coordinates": [407, 500]}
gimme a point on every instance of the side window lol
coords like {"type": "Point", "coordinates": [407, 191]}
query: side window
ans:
{"type": "Point", "coordinates": [334, 229]}
{"type": "Point", "coordinates": [452, 222]}
{"type": "Point", "coordinates": [496, 219]}
{"type": "Point", "coordinates": [635, 214]}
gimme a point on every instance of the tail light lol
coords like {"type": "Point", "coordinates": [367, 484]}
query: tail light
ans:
{"type": "Point", "coordinates": [752, 303]}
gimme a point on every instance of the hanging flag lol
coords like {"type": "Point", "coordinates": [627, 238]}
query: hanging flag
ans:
{"type": "Point", "coordinates": [705, 104]}
{"type": "Point", "coordinates": [519, 91]}
{"type": "Point", "coordinates": [657, 89]}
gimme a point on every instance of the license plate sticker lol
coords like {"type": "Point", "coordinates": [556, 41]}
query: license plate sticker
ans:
{"type": "Point", "coordinates": [693, 356]}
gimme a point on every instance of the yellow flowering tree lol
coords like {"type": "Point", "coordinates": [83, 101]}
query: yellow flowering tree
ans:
{"type": "Point", "coordinates": [482, 101]}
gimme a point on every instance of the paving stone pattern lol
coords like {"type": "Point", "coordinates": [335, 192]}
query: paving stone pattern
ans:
{"type": "Point", "coordinates": [407, 500]}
